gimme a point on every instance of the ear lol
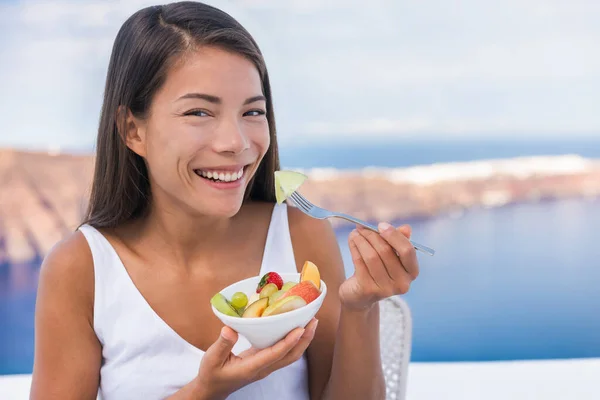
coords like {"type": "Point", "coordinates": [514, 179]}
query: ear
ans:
{"type": "Point", "coordinates": [132, 130]}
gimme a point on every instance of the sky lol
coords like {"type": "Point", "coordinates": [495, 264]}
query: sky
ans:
{"type": "Point", "coordinates": [340, 70]}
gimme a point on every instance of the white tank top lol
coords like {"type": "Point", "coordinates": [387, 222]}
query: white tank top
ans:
{"type": "Point", "coordinates": [144, 358]}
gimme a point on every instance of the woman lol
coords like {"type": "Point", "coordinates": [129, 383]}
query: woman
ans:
{"type": "Point", "coordinates": [123, 304]}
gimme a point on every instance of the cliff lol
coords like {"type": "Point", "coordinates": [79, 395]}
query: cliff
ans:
{"type": "Point", "coordinates": [43, 196]}
{"type": "Point", "coordinates": [41, 200]}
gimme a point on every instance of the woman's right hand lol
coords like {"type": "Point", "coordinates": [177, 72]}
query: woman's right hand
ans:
{"type": "Point", "coordinates": [222, 373]}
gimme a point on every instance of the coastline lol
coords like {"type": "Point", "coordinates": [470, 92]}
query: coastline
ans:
{"type": "Point", "coordinates": [43, 195]}
{"type": "Point", "coordinates": [418, 192]}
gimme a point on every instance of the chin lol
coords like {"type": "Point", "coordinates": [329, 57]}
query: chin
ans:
{"type": "Point", "coordinates": [230, 212]}
{"type": "Point", "coordinates": [220, 208]}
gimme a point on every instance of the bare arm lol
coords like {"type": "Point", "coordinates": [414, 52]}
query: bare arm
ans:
{"type": "Point", "coordinates": [357, 371]}
{"type": "Point", "coordinates": [67, 352]}
{"type": "Point", "coordinates": [344, 357]}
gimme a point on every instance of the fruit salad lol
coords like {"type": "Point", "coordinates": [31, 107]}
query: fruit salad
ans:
{"type": "Point", "coordinates": [273, 296]}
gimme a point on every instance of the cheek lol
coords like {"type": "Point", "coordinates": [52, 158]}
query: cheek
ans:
{"type": "Point", "coordinates": [168, 149]}
{"type": "Point", "coordinates": [161, 157]}
{"type": "Point", "coordinates": [179, 137]}
{"type": "Point", "coordinates": [261, 138]}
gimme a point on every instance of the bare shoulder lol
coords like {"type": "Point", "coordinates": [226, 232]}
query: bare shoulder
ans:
{"type": "Point", "coordinates": [314, 240]}
{"type": "Point", "coordinates": [69, 266]}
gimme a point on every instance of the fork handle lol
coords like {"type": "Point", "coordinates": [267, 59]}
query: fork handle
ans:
{"type": "Point", "coordinates": [417, 246]}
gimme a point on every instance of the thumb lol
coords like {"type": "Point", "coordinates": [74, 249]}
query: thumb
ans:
{"type": "Point", "coordinates": [220, 350]}
{"type": "Point", "coordinates": [405, 230]}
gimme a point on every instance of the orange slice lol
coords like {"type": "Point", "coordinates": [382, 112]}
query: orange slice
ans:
{"type": "Point", "coordinates": [310, 272]}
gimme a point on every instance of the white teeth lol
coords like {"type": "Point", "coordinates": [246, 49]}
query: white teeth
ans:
{"type": "Point", "coordinates": [225, 177]}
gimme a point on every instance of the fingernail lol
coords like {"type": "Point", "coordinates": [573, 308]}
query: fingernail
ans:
{"type": "Point", "coordinates": [384, 227]}
{"type": "Point", "coordinates": [226, 334]}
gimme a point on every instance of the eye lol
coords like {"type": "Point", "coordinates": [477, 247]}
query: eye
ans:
{"type": "Point", "coordinates": [197, 113]}
{"type": "Point", "coordinates": [254, 113]}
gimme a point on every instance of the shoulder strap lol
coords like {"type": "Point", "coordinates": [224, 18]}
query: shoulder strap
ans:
{"type": "Point", "coordinates": [279, 251]}
{"type": "Point", "coordinates": [107, 273]}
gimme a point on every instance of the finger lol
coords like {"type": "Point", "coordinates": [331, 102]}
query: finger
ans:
{"type": "Point", "coordinates": [360, 268]}
{"type": "Point", "coordinates": [296, 352]}
{"type": "Point", "coordinates": [400, 243]}
{"type": "Point", "coordinates": [374, 265]}
{"type": "Point", "coordinates": [406, 230]}
{"type": "Point", "coordinates": [266, 357]}
{"type": "Point", "coordinates": [220, 350]}
{"type": "Point", "coordinates": [391, 261]}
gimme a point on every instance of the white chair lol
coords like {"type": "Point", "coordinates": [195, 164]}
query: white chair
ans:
{"type": "Point", "coordinates": [396, 343]}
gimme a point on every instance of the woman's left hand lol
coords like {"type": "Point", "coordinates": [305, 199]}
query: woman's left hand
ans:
{"type": "Point", "coordinates": [385, 265]}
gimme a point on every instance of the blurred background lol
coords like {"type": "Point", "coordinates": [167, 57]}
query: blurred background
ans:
{"type": "Point", "coordinates": [475, 121]}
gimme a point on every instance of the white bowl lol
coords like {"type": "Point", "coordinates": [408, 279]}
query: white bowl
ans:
{"type": "Point", "coordinates": [266, 331]}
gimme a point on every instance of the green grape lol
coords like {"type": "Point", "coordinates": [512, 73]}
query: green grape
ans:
{"type": "Point", "coordinates": [239, 300]}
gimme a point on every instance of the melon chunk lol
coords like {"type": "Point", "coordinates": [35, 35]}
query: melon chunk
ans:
{"type": "Point", "coordinates": [286, 183]}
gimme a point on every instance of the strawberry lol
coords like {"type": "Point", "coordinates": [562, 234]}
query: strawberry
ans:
{"type": "Point", "coordinates": [270, 277]}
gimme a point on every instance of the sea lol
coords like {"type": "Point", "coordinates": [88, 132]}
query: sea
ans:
{"type": "Point", "coordinates": [517, 282]}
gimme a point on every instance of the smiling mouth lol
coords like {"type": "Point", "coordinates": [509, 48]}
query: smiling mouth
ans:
{"type": "Point", "coordinates": [221, 176]}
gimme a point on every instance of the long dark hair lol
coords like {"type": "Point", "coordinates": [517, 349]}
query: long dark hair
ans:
{"type": "Point", "coordinates": [147, 44]}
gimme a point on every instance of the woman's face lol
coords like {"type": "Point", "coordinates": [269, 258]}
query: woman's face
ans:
{"type": "Point", "coordinates": [206, 132]}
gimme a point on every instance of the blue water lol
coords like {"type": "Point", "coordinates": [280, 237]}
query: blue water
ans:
{"type": "Point", "coordinates": [518, 282]}
{"type": "Point", "coordinates": [17, 305]}
{"type": "Point", "coordinates": [397, 153]}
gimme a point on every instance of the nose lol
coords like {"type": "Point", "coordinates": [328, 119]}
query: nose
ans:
{"type": "Point", "coordinates": [230, 137]}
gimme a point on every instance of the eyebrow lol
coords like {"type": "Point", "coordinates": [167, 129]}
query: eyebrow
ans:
{"type": "Point", "coordinates": [217, 100]}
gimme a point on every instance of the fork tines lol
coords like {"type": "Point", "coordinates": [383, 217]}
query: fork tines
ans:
{"type": "Point", "coordinates": [300, 201]}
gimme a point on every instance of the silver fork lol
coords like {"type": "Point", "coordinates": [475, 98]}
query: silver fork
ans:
{"type": "Point", "coordinates": [320, 213]}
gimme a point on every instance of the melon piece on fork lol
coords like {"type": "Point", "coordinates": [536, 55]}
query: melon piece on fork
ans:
{"type": "Point", "coordinates": [286, 183]}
